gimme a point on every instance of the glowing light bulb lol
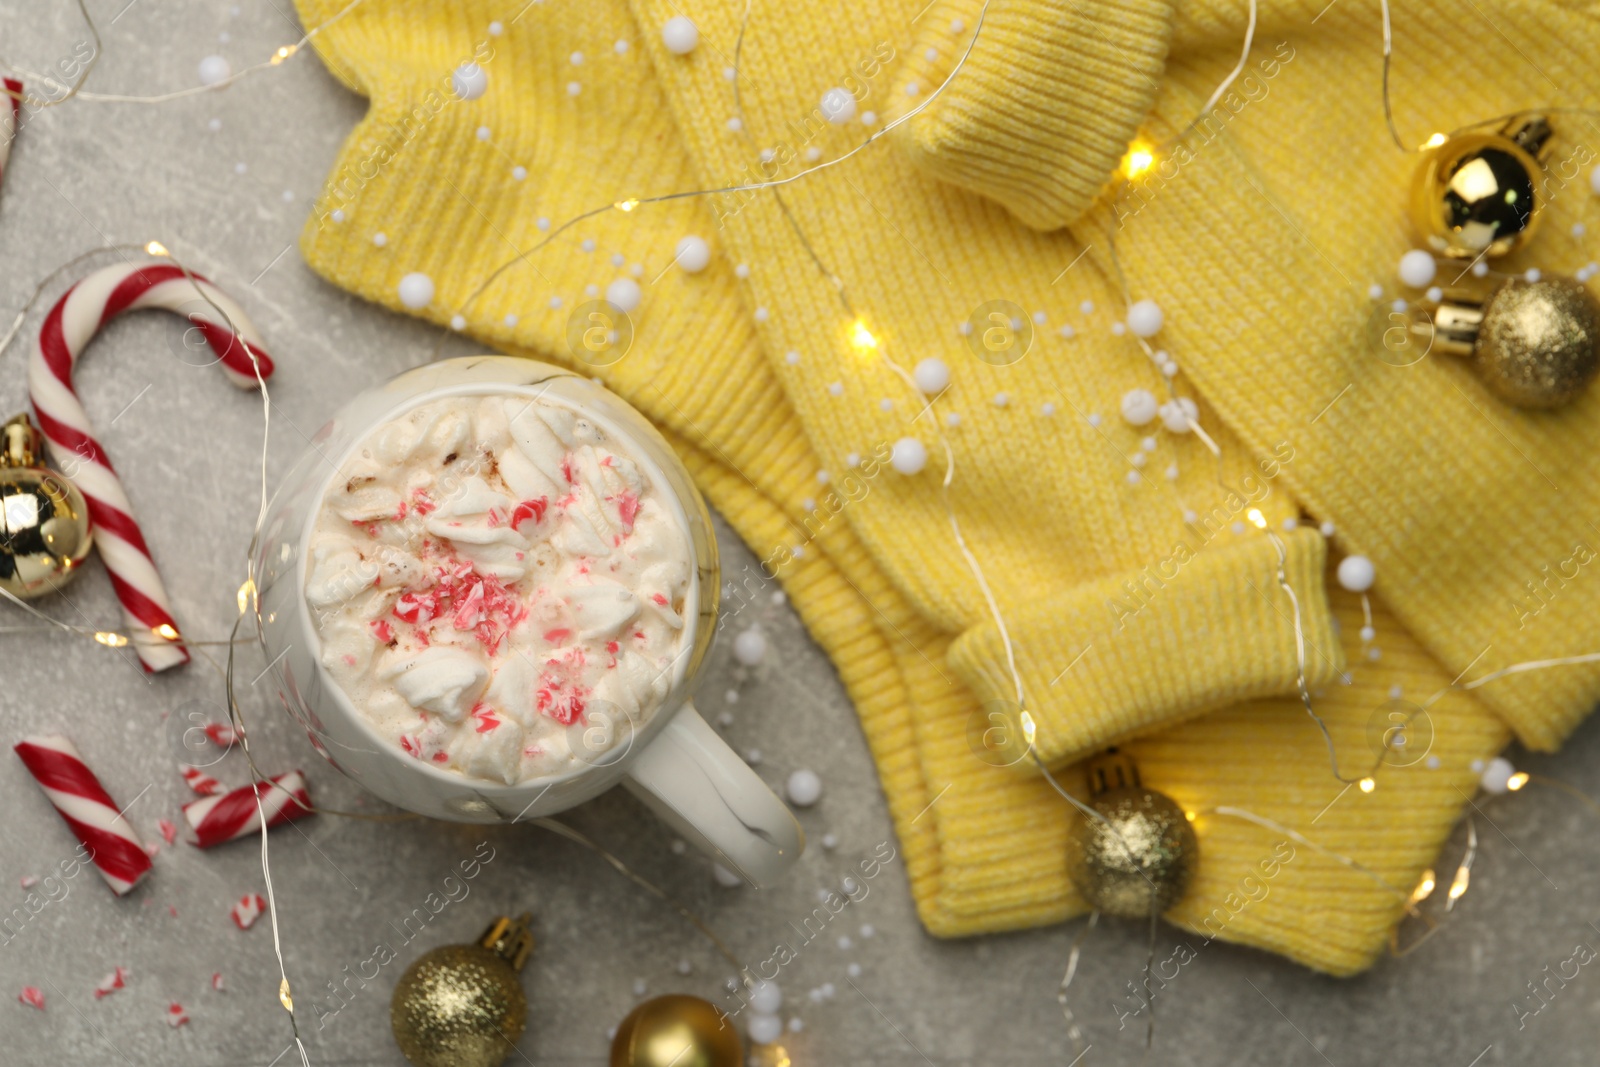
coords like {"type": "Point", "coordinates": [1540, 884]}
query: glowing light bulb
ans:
{"type": "Point", "coordinates": [1424, 888]}
{"type": "Point", "coordinates": [1435, 141]}
{"type": "Point", "coordinates": [861, 338]}
{"type": "Point", "coordinates": [1189, 815]}
{"type": "Point", "coordinates": [284, 998]}
{"type": "Point", "coordinates": [156, 248]}
{"type": "Point", "coordinates": [1258, 520]}
{"type": "Point", "coordinates": [627, 205]}
{"type": "Point", "coordinates": [1517, 781]}
{"type": "Point", "coordinates": [110, 640]}
{"type": "Point", "coordinates": [1458, 886]}
{"type": "Point", "coordinates": [166, 631]}
{"type": "Point", "coordinates": [1367, 785]}
{"type": "Point", "coordinates": [246, 591]}
{"type": "Point", "coordinates": [1028, 728]}
{"type": "Point", "coordinates": [1138, 160]}
{"type": "Point", "coordinates": [284, 53]}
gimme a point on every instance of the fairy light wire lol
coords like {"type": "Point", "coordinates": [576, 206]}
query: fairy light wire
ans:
{"type": "Point", "coordinates": [77, 92]}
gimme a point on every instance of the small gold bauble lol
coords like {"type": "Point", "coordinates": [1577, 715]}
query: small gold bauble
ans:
{"type": "Point", "coordinates": [1475, 194]}
{"type": "Point", "coordinates": [1140, 860]}
{"type": "Point", "coordinates": [44, 520]}
{"type": "Point", "coordinates": [463, 1005]}
{"type": "Point", "coordinates": [1539, 343]}
{"type": "Point", "coordinates": [676, 1031]}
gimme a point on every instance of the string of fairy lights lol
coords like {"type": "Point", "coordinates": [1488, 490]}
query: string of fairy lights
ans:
{"type": "Point", "coordinates": [1141, 158]}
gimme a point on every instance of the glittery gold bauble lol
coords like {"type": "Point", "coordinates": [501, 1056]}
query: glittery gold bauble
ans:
{"type": "Point", "coordinates": [1139, 860]}
{"type": "Point", "coordinates": [44, 520]}
{"type": "Point", "coordinates": [676, 1031]}
{"type": "Point", "coordinates": [1475, 194]}
{"type": "Point", "coordinates": [1539, 344]}
{"type": "Point", "coordinates": [463, 1005]}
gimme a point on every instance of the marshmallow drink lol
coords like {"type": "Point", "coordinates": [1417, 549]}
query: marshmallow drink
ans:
{"type": "Point", "coordinates": [500, 586]}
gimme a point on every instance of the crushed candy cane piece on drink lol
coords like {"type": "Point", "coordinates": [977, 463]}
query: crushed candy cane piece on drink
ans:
{"type": "Point", "coordinates": [176, 1016]}
{"type": "Point", "coordinates": [32, 996]}
{"type": "Point", "coordinates": [247, 910]}
{"type": "Point", "coordinates": [117, 979]}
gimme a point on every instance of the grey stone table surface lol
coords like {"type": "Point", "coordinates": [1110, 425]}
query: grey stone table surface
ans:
{"type": "Point", "coordinates": [225, 180]}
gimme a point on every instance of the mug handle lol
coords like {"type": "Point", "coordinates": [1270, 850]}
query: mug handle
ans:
{"type": "Point", "coordinates": [701, 788]}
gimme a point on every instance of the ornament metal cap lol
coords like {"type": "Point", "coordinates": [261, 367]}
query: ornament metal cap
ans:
{"type": "Point", "coordinates": [510, 939]}
{"type": "Point", "coordinates": [20, 444]}
{"type": "Point", "coordinates": [1537, 343]}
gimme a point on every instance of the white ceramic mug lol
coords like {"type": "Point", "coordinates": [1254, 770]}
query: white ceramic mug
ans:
{"type": "Point", "coordinates": [675, 762]}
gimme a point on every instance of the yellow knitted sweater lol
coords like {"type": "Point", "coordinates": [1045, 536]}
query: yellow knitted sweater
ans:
{"type": "Point", "coordinates": [1143, 609]}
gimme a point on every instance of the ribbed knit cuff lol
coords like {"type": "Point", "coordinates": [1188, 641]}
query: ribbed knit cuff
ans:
{"type": "Point", "coordinates": [1126, 655]}
{"type": "Point", "coordinates": [1046, 104]}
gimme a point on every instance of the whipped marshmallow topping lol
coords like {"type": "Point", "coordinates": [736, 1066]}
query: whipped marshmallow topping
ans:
{"type": "Point", "coordinates": [498, 586]}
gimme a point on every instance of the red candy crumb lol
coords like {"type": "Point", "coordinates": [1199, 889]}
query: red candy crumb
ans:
{"type": "Point", "coordinates": [221, 734]}
{"type": "Point", "coordinates": [247, 910]}
{"type": "Point", "coordinates": [176, 1016]}
{"type": "Point", "coordinates": [382, 631]}
{"type": "Point", "coordinates": [659, 599]}
{"type": "Point", "coordinates": [32, 996]}
{"type": "Point", "coordinates": [422, 502]}
{"type": "Point", "coordinates": [169, 830]}
{"type": "Point", "coordinates": [411, 745]}
{"type": "Point", "coordinates": [627, 507]}
{"type": "Point", "coordinates": [117, 979]}
{"type": "Point", "coordinates": [216, 982]}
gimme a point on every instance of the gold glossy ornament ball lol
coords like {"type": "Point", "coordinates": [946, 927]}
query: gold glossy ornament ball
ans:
{"type": "Point", "coordinates": [1475, 195]}
{"type": "Point", "coordinates": [44, 519]}
{"type": "Point", "coordinates": [676, 1031]}
{"type": "Point", "coordinates": [1139, 864]}
{"type": "Point", "coordinates": [463, 1005]}
{"type": "Point", "coordinates": [1539, 343]}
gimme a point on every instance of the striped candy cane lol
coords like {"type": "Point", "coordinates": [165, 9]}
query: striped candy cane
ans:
{"type": "Point", "coordinates": [218, 820]}
{"type": "Point", "coordinates": [67, 329]}
{"type": "Point", "coordinates": [88, 809]}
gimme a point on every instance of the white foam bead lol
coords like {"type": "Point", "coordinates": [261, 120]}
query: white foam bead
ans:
{"type": "Point", "coordinates": [839, 106]}
{"type": "Point", "coordinates": [624, 294]}
{"type": "Point", "coordinates": [1139, 406]}
{"type": "Point", "coordinates": [1417, 268]}
{"type": "Point", "coordinates": [1145, 318]}
{"type": "Point", "coordinates": [1175, 414]}
{"type": "Point", "coordinates": [750, 647]}
{"type": "Point", "coordinates": [1356, 573]}
{"type": "Point", "coordinates": [693, 254]}
{"type": "Point", "coordinates": [931, 375]}
{"type": "Point", "coordinates": [765, 997]}
{"type": "Point", "coordinates": [416, 291]}
{"type": "Point", "coordinates": [909, 455]}
{"type": "Point", "coordinates": [680, 35]}
{"type": "Point", "coordinates": [215, 70]}
{"type": "Point", "coordinates": [1368, 634]}
{"type": "Point", "coordinates": [764, 1029]}
{"type": "Point", "coordinates": [805, 789]}
{"type": "Point", "coordinates": [1497, 775]}
{"type": "Point", "coordinates": [469, 81]}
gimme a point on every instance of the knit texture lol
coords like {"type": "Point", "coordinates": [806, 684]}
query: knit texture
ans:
{"type": "Point", "coordinates": [1142, 602]}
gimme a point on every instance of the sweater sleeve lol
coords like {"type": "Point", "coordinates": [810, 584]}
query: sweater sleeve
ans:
{"type": "Point", "coordinates": [1044, 105]}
